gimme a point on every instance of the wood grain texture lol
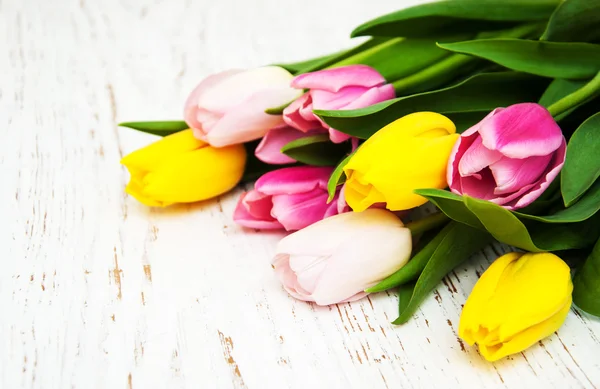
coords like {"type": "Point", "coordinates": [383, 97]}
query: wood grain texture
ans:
{"type": "Point", "coordinates": [98, 291]}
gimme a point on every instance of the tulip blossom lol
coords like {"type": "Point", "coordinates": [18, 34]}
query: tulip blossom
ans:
{"type": "Point", "coordinates": [269, 148]}
{"type": "Point", "coordinates": [229, 107]}
{"type": "Point", "coordinates": [336, 259]}
{"type": "Point", "coordinates": [290, 198]}
{"type": "Point", "coordinates": [181, 169]}
{"type": "Point", "coordinates": [519, 300]}
{"type": "Point", "coordinates": [510, 157]}
{"type": "Point", "coordinates": [343, 88]}
{"type": "Point", "coordinates": [407, 154]}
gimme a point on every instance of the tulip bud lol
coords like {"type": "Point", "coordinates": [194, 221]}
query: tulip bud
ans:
{"type": "Point", "coordinates": [336, 259]}
{"type": "Point", "coordinates": [290, 198]}
{"type": "Point", "coordinates": [519, 300]}
{"type": "Point", "coordinates": [510, 157]}
{"type": "Point", "coordinates": [182, 169]}
{"type": "Point", "coordinates": [346, 87]}
{"type": "Point", "coordinates": [407, 154]}
{"type": "Point", "coordinates": [229, 107]}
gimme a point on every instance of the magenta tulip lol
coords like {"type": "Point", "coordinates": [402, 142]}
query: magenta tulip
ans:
{"type": "Point", "coordinates": [508, 158]}
{"type": "Point", "coordinates": [343, 88]}
{"type": "Point", "coordinates": [290, 198]}
{"type": "Point", "coordinates": [229, 107]}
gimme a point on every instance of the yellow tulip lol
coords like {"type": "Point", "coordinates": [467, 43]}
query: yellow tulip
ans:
{"type": "Point", "coordinates": [182, 169]}
{"type": "Point", "coordinates": [407, 154]}
{"type": "Point", "coordinates": [519, 300]}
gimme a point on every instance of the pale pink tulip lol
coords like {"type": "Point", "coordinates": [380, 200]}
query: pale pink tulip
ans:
{"type": "Point", "coordinates": [269, 148]}
{"type": "Point", "coordinates": [508, 158]}
{"type": "Point", "coordinates": [336, 259]}
{"type": "Point", "coordinates": [343, 88]}
{"type": "Point", "coordinates": [290, 198]}
{"type": "Point", "coordinates": [229, 107]}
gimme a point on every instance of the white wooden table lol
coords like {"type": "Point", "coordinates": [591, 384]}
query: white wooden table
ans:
{"type": "Point", "coordinates": [98, 291]}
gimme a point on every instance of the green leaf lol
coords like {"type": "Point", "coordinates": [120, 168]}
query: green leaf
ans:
{"type": "Point", "coordinates": [405, 293]}
{"type": "Point", "coordinates": [415, 266]}
{"type": "Point", "coordinates": [574, 21]}
{"type": "Point", "coordinates": [452, 205]}
{"type": "Point", "coordinates": [586, 284]}
{"type": "Point", "coordinates": [546, 59]}
{"type": "Point", "coordinates": [507, 228]}
{"type": "Point", "coordinates": [531, 233]}
{"type": "Point", "coordinates": [316, 150]}
{"type": "Point", "coordinates": [482, 92]}
{"type": "Point", "coordinates": [160, 128]}
{"type": "Point", "coordinates": [435, 19]}
{"type": "Point", "coordinates": [587, 206]}
{"type": "Point", "coordinates": [337, 177]}
{"type": "Point", "coordinates": [582, 164]}
{"type": "Point", "coordinates": [458, 243]}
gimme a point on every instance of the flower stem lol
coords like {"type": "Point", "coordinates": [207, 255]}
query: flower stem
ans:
{"type": "Point", "coordinates": [427, 223]}
{"type": "Point", "coordinates": [574, 99]}
{"type": "Point", "coordinates": [440, 70]}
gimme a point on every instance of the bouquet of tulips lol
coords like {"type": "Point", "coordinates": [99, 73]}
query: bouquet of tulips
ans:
{"type": "Point", "coordinates": [489, 110]}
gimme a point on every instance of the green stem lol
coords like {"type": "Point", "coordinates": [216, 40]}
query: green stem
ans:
{"type": "Point", "coordinates": [427, 223]}
{"type": "Point", "coordinates": [363, 55]}
{"type": "Point", "coordinates": [574, 99]}
{"type": "Point", "coordinates": [435, 72]}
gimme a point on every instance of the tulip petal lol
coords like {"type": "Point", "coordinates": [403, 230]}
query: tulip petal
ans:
{"type": "Point", "coordinates": [373, 96]}
{"type": "Point", "coordinates": [293, 114]}
{"type": "Point", "coordinates": [521, 131]}
{"type": "Point", "coordinates": [152, 156]}
{"type": "Point", "coordinates": [480, 186]}
{"type": "Point", "coordinates": [248, 120]}
{"type": "Point", "coordinates": [308, 270]}
{"type": "Point", "coordinates": [269, 148]}
{"type": "Point", "coordinates": [527, 337]}
{"type": "Point", "coordinates": [513, 174]}
{"type": "Point", "coordinates": [539, 187]}
{"type": "Point", "coordinates": [253, 210]}
{"type": "Point", "coordinates": [323, 99]}
{"type": "Point", "coordinates": [291, 180]}
{"type": "Point", "coordinates": [481, 294]}
{"type": "Point", "coordinates": [296, 211]}
{"type": "Point", "coordinates": [477, 157]}
{"type": "Point", "coordinates": [196, 175]}
{"type": "Point", "coordinates": [335, 79]}
{"type": "Point", "coordinates": [231, 91]}
{"type": "Point", "coordinates": [191, 104]}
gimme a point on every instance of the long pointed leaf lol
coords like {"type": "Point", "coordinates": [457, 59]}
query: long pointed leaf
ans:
{"type": "Point", "coordinates": [435, 19]}
{"type": "Point", "coordinates": [546, 59]}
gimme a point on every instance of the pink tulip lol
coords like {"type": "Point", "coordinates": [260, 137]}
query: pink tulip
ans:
{"type": "Point", "coordinates": [290, 198]}
{"type": "Point", "coordinates": [508, 158]}
{"type": "Point", "coordinates": [229, 107]}
{"type": "Point", "coordinates": [335, 260]}
{"type": "Point", "coordinates": [347, 87]}
{"type": "Point", "coordinates": [269, 148]}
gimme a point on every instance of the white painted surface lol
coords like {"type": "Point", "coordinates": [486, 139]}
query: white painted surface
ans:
{"type": "Point", "coordinates": [97, 291]}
